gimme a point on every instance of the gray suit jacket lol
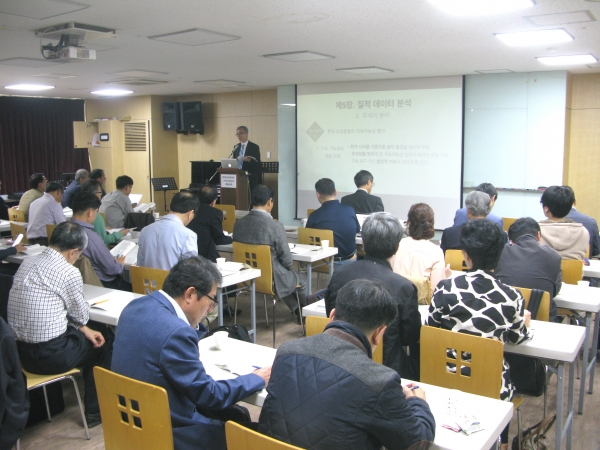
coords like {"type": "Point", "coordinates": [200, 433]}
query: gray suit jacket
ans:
{"type": "Point", "coordinates": [259, 228]}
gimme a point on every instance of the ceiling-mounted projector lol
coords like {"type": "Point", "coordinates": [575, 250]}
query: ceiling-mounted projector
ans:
{"type": "Point", "coordinates": [70, 35]}
{"type": "Point", "coordinates": [72, 54]}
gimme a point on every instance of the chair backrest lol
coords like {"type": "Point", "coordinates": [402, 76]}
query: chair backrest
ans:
{"type": "Point", "coordinates": [228, 217]}
{"type": "Point", "coordinates": [241, 438]}
{"type": "Point", "coordinates": [507, 222]}
{"type": "Point", "coordinates": [257, 257]}
{"type": "Point", "coordinates": [309, 211]}
{"type": "Point", "coordinates": [314, 236]}
{"type": "Point", "coordinates": [486, 357]}
{"type": "Point", "coordinates": [88, 273]}
{"type": "Point", "coordinates": [16, 229]}
{"type": "Point", "coordinates": [423, 286]}
{"type": "Point", "coordinates": [543, 313]}
{"type": "Point", "coordinates": [16, 215]}
{"type": "Point", "coordinates": [135, 415]}
{"type": "Point", "coordinates": [456, 259]}
{"type": "Point", "coordinates": [49, 230]}
{"type": "Point", "coordinates": [316, 325]}
{"type": "Point", "coordinates": [146, 280]}
{"type": "Point", "coordinates": [572, 270]}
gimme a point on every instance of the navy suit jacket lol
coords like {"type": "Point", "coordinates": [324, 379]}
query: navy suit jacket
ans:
{"type": "Point", "coordinates": [590, 224]}
{"type": "Point", "coordinates": [363, 202]}
{"type": "Point", "coordinates": [254, 168]}
{"type": "Point", "coordinates": [341, 219]}
{"type": "Point", "coordinates": [208, 225]}
{"type": "Point", "coordinates": [155, 346]}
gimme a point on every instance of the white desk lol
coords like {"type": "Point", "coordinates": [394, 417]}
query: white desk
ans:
{"type": "Point", "coordinates": [307, 254]}
{"type": "Point", "coordinates": [315, 309]}
{"type": "Point", "coordinates": [5, 225]}
{"type": "Point", "coordinates": [584, 299]}
{"type": "Point", "coordinates": [291, 231]}
{"type": "Point", "coordinates": [593, 270]}
{"type": "Point", "coordinates": [107, 312]}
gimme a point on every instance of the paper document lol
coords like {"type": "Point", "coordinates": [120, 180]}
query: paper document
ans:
{"type": "Point", "coordinates": [34, 249]}
{"type": "Point", "coordinates": [18, 240]}
{"type": "Point", "coordinates": [144, 207]}
{"type": "Point", "coordinates": [123, 248]}
{"type": "Point", "coordinates": [135, 198]}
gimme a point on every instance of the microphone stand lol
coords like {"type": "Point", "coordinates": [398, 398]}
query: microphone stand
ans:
{"type": "Point", "coordinates": [210, 179]}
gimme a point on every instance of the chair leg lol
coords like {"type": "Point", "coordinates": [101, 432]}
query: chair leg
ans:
{"type": "Point", "coordinates": [300, 313]}
{"type": "Point", "coordinates": [235, 310]}
{"type": "Point", "coordinates": [47, 404]}
{"type": "Point", "coordinates": [87, 432]}
{"type": "Point", "coordinates": [274, 303]}
{"type": "Point", "coordinates": [519, 427]}
{"type": "Point", "coordinates": [266, 312]}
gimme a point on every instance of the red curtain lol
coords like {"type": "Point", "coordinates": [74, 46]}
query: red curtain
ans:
{"type": "Point", "coordinates": [36, 135]}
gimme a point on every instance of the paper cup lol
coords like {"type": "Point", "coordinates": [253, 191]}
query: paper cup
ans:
{"type": "Point", "coordinates": [303, 223]}
{"type": "Point", "coordinates": [220, 264]}
{"type": "Point", "coordinates": [156, 215]}
{"type": "Point", "coordinates": [325, 243]}
{"type": "Point", "coordinates": [583, 284]}
{"type": "Point", "coordinates": [221, 339]}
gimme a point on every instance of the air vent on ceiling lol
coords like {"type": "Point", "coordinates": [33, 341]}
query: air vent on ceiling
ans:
{"type": "Point", "coordinates": [136, 136]}
{"type": "Point", "coordinates": [137, 81]}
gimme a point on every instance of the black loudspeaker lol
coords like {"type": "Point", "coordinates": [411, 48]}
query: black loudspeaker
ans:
{"type": "Point", "coordinates": [170, 112]}
{"type": "Point", "coordinates": [191, 117]}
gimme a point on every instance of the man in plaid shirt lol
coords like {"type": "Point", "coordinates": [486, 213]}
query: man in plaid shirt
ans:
{"type": "Point", "coordinates": [49, 317]}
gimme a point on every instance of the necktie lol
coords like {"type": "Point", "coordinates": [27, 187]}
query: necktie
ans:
{"type": "Point", "coordinates": [241, 156]}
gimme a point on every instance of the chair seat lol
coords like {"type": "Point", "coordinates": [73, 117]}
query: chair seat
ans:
{"type": "Point", "coordinates": [517, 401]}
{"type": "Point", "coordinates": [33, 379]}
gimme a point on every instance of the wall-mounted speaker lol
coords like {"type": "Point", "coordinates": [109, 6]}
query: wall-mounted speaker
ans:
{"type": "Point", "coordinates": [191, 117]}
{"type": "Point", "coordinates": [170, 112]}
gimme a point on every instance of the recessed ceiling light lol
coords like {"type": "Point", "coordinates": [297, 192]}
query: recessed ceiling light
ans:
{"type": "Point", "coordinates": [138, 73]}
{"type": "Point", "coordinates": [365, 70]}
{"type": "Point", "coordinates": [561, 18]}
{"type": "Point", "coordinates": [55, 76]}
{"type": "Point", "coordinates": [112, 92]}
{"type": "Point", "coordinates": [298, 56]}
{"type": "Point", "coordinates": [194, 36]}
{"type": "Point", "coordinates": [495, 71]}
{"type": "Point", "coordinates": [569, 60]}
{"type": "Point", "coordinates": [221, 82]}
{"type": "Point", "coordinates": [480, 7]}
{"type": "Point", "coordinates": [29, 87]}
{"type": "Point", "coordinates": [537, 37]}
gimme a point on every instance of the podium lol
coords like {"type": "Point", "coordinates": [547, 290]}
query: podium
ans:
{"type": "Point", "coordinates": [234, 188]}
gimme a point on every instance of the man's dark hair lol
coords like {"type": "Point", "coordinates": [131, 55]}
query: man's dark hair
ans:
{"type": "Point", "coordinates": [381, 233]}
{"type": "Point", "coordinates": [208, 194]}
{"type": "Point", "coordinates": [366, 304]}
{"type": "Point", "coordinates": [559, 200]}
{"type": "Point", "coordinates": [261, 194]}
{"type": "Point", "coordinates": [91, 185]}
{"type": "Point", "coordinates": [420, 221]}
{"type": "Point", "coordinates": [362, 178]}
{"type": "Point", "coordinates": [325, 186]}
{"type": "Point", "coordinates": [243, 128]}
{"type": "Point", "coordinates": [67, 236]}
{"type": "Point", "coordinates": [84, 201]}
{"type": "Point", "coordinates": [483, 241]}
{"type": "Point", "coordinates": [184, 202]}
{"type": "Point", "coordinates": [522, 226]}
{"type": "Point", "coordinates": [489, 189]}
{"type": "Point", "coordinates": [123, 181]}
{"type": "Point", "coordinates": [193, 271]}
{"type": "Point", "coordinates": [96, 173]}
{"type": "Point", "coordinates": [54, 186]}
{"type": "Point", "coordinates": [35, 180]}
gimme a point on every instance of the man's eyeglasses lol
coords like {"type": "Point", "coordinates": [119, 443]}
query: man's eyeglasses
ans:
{"type": "Point", "coordinates": [214, 303]}
{"type": "Point", "coordinates": [241, 134]}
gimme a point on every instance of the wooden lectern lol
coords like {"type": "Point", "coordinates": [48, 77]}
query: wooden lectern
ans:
{"type": "Point", "coordinates": [234, 188]}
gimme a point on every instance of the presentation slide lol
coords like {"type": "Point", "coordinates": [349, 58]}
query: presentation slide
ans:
{"type": "Point", "coordinates": [407, 133]}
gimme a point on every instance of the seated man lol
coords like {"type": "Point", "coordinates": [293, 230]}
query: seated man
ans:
{"type": "Point", "coordinates": [258, 227]}
{"type": "Point", "coordinates": [72, 189]}
{"type": "Point", "coordinates": [10, 268]}
{"type": "Point", "coordinates": [157, 343]}
{"type": "Point", "coordinates": [107, 267]}
{"type": "Point", "coordinates": [94, 187]}
{"type": "Point", "coordinates": [362, 201]}
{"type": "Point", "coordinates": [37, 182]}
{"type": "Point", "coordinates": [49, 317]}
{"type": "Point", "coordinates": [327, 393]}
{"type": "Point", "coordinates": [381, 237]}
{"type": "Point", "coordinates": [163, 243]}
{"type": "Point", "coordinates": [527, 264]}
{"type": "Point", "coordinates": [45, 211]}
{"type": "Point", "coordinates": [588, 222]}
{"type": "Point", "coordinates": [98, 175]}
{"type": "Point", "coordinates": [461, 214]}
{"type": "Point", "coordinates": [208, 224]}
{"type": "Point", "coordinates": [116, 204]}
{"type": "Point", "coordinates": [341, 219]}
{"type": "Point", "coordinates": [567, 237]}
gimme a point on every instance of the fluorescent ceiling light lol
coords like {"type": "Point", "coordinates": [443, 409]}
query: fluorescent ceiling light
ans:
{"type": "Point", "coordinates": [221, 82]}
{"type": "Point", "coordinates": [112, 92]}
{"type": "Point", "coordinates": [298, 56]}
{"type": "Point", "coordinates": [480, 7]}
{"type": "Point", "coordinates": [495, 71]}
{"type": "Point", "coordinates": [537, 37]}
{"type": "Point", "coordinates": [569, 60]}
{"type": "Point", "coordinates": [138, 73]}
{"type": "Point", "coordinates": [365, 70]}
{"type": "Point", "coordinates": [55, 76]}
{"type": "Point", "coordinates": [194, 36]}
{"type": "Point", "coordinates": [29, 87]}
{"type": "Point", "coordinates": [288, 104]}
{"type": "Point", "coordinates": [561, 18]}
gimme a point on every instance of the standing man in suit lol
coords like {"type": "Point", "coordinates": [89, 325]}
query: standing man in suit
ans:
{"type": "Point", "coordinates": [248, 155]}
{"type": "Point", "coordinates": [362, 201]}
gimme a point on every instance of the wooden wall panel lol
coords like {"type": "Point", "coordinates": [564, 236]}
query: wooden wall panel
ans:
{"type": "Point", "coordinates": [138, 107]}
{"type": "Point", "coordinates": [585, 91]}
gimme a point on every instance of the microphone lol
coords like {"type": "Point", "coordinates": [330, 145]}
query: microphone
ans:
{"type": "Point", "coordinates": [232, 151]}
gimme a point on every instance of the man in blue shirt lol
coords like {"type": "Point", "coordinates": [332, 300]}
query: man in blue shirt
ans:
{"type": "Point", "coordinates": [461, 214]}
{"type": "Point", "coordinates": [341, 219]}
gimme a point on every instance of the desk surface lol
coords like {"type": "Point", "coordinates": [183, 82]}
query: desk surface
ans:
{"type": "Point", "coordinates": [593, 270]}
{"type": "Point", "coordinates": [573, 296]}
{"type": "Point", "coordinates": [302, 253]}
{"type": "Point", "coordinates": [291, 231]}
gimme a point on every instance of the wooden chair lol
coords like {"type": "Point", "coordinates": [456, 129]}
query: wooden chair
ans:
{"type": "Point", "coordinates": [572, 270]}
{"type": "Point", "coordinates": [316, 325]}
{"type": "Point", "coordinates": [423, 286]}
{"type": "Point", "coordinates": [16, 229]}
{"type": "Point", "coordinates": [241, 438]}
{"type": "Point", "coordinates": [485, 363]}
{"type": "Point", "coordinates": [314, 236]}
{"type": "Point", "coordinates": [228, 217]}
{"type": "Point", "coordinates": [309, 211]}
{"type": "Point", "coordinates": [49, 230]}
{"type": "Point", "coordinates": [456, 260]}
{"type": "Point", "coordinates": [16, 215]}
{"type": "Point", "coordinates": [507, 222]}
{"type": "Point", "coordinates": [259, 257]}
{"type": "Point", "coordinates": [135, 415]}
{"type": "Point", "coordinates": [544, 310]}
{"type": "Point", "coordinates": [145, 280]}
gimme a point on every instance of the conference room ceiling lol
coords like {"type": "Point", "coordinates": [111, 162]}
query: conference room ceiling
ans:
{"type": "Point", "coordinates": [411, 37]}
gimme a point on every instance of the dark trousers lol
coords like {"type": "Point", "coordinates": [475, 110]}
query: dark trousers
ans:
{"type": "Point", "coordinates": [71, 349]}
{"type": "Point", "coordinates": [118, 283]}
{"type": "Point", "coordinates": [40, 241]}
{"type": "Point", "coordinates": [290, 299]}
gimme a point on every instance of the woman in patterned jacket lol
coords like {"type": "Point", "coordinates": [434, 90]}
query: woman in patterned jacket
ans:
{"type": "Point", "coordinates": [477, 303]}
